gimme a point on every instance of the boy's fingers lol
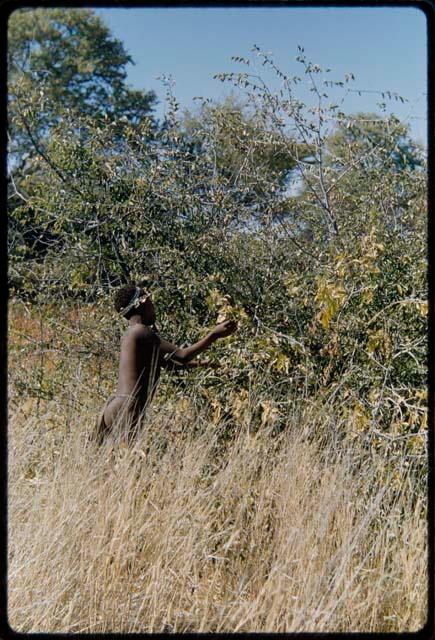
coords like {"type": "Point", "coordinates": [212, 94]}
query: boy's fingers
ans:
{"type": "Point", "coordinates": [229, 323]}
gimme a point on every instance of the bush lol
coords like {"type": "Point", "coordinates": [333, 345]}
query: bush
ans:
{"type": "Point", "coordinates": [328, 284]}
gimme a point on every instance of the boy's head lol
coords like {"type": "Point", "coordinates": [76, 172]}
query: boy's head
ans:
{"type": "Point", "coordinates": [131, 300]}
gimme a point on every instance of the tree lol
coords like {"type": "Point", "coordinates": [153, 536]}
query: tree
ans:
{"type": "Point", "coordinates": [245, 149]}
{"type": "Point", "coordinates": [61, 62]}
{"type": "Point", "coordinates": [329, 286]}
{"type": "Point", "coordinates": [60, 59]}
{"type": "Point", "coordinates": [369, 137]}
{"type": "Point", "coordinates": [362, 148]}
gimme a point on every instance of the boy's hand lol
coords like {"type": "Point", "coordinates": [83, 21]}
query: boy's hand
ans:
{"type": "Point", "coordinates": [224, 329]}
{"type": "Point", "coordinates": [200, 363]}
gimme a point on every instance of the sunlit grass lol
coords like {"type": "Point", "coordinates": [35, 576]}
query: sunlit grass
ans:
{"type": "Point", "coordinates": [208, 527]}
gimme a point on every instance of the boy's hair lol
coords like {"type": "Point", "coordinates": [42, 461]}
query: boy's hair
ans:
{"type": "Point", "coordinates": [123, 296]}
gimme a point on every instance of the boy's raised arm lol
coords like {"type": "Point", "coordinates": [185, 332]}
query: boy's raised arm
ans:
{"type": "Point", "coordinates": [185, 354]}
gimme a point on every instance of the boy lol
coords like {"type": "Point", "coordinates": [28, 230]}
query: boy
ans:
{"type": "Point", "coordinates": [143, 353]}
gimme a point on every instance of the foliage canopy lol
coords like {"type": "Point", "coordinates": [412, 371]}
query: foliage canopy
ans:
{"type": "Point", "coordinates": [60, 60]}
{"type": "Point", "coordinates": [328, 281]}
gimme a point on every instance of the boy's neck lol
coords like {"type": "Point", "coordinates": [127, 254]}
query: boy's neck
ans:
{"type": "Point", "coordinates": [137, 319]}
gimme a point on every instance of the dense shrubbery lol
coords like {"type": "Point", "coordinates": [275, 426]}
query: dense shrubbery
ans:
{"type": "Point", "coordinates": [327, 280]}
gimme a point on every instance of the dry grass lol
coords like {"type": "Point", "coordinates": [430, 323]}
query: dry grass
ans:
{"type": "Point", "coordinates": [188, 531]}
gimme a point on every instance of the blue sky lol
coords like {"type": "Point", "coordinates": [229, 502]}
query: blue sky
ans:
{"type": "Point", "coordinates": [385, 48]}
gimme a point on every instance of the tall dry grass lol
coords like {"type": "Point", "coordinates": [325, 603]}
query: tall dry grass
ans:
{"type": "Point", "coordinates": [191, 530]}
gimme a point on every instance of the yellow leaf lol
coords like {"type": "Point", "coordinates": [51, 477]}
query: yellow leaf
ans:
{"type": "Point", "coordinates": [282, 364]}
{"type": "Point", "coordinates": [368, 296]}
{"type": "Point", "coordinates": [269, 413]}
{"type": "Point", "coordinates": [424, 421]}
{"type": "Point", "coordinates": [422, 308]}
{"type": "Point", "coordinates": [330, 298]}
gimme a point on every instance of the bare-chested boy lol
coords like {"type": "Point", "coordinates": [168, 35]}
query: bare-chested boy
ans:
{"type": "Point", "coordinates": [143, 353]}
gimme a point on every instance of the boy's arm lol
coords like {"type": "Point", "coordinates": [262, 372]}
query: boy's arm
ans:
{"type": "Point", "coordinates": [186, 354]}
{"type": "Point", "coordinates": [171, 365]}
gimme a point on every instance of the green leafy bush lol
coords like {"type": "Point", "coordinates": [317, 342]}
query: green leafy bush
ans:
{"type": "Point", "coordinates": [327, 281]}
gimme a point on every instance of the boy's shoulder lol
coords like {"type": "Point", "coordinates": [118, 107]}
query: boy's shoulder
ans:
{"type": "Point", "coordinates": [141, 332]}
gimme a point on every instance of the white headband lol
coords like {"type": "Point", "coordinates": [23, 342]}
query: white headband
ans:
{"type": "Point", "coordinates": [134, 302]}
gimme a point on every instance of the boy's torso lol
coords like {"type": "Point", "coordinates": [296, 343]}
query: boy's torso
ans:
{"type": "Point", "coordinates": [139, 363]}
